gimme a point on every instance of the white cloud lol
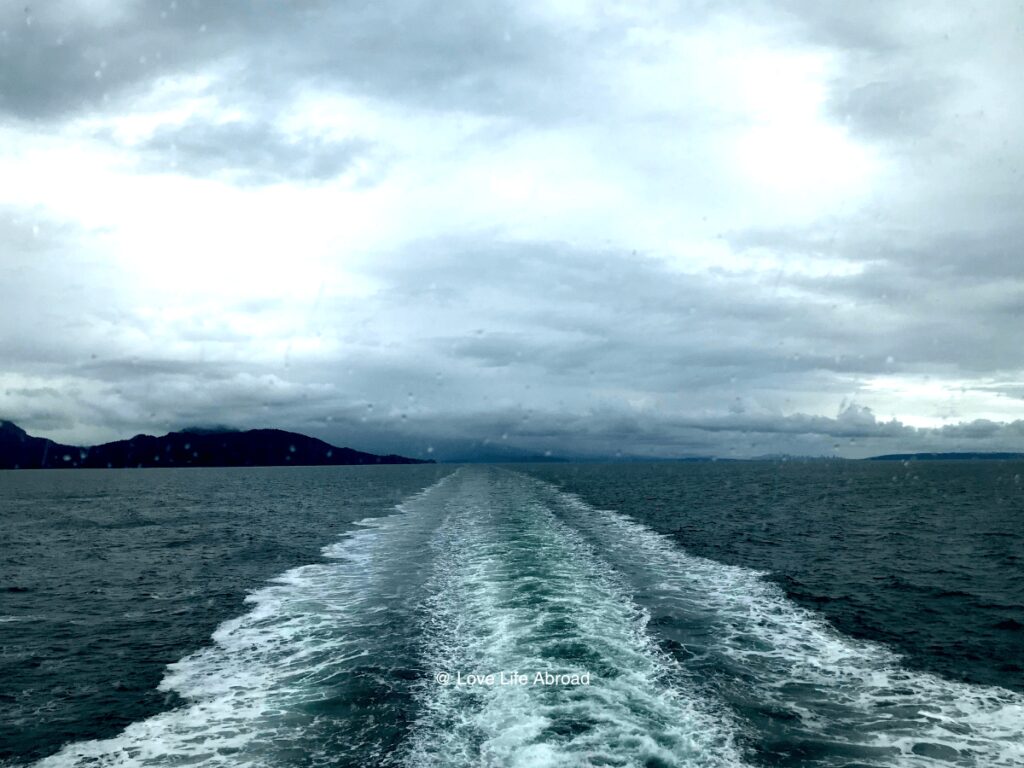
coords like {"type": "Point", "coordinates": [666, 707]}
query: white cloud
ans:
{"type": "Point", "coordinates": [637, 223]}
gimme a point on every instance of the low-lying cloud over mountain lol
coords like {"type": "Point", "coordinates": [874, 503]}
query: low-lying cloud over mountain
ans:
{"type": "Point", "coordinates": [584, 228]}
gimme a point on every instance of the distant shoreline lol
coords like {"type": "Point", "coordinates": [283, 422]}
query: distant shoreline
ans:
{"type": "Point", "coordinates": [188, 448]}
{"type": "Point", "coordinates": [949, 456]}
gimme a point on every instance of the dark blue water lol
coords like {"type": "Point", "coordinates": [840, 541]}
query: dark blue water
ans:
{"type": "Point", "coordinates": [700, 615]}
{"type": "Point", "coordinates": [107, 576]}
{"type": "Point", "coordinates": [927, 557]}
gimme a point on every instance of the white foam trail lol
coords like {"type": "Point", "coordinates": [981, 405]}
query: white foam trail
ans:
{"type": "Point", "coordinates": [490, 571]}
{"type": "Point", "coordinates": [853, 701]}
{"type": "Point", "coordinates": [276, 687]}
{"type": "Point", "coordinates": [515, 590]}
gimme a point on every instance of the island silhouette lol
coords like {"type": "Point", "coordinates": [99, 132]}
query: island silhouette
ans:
{"type": "Point", "coordinates": [195, 447]}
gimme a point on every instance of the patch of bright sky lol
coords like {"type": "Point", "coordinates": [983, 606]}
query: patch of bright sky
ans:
{"type": "Point", "coordinates": [766, 145]}
{"type": "Point", "coordinates": [717, 255]}
{"type": "Point", "coordinates": [923, 401]}
{"type": "Point", "coordinates": [789, 147]}
{"type": "Point", "coordinates": [756, 130]}
{"type": "Point", "coordinates": [179, 234]}
{"type": "Point", "coordinates": [173, 234]}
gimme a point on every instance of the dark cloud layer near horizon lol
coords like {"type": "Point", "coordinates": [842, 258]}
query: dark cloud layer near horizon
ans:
{"type": "Point", "coordinates": [660, 229]}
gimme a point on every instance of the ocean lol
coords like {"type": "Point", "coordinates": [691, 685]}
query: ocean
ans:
{"type": "Point", "coordinates": [844, 614]}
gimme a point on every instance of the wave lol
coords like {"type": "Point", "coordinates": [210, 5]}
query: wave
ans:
{"type": "Point", "coordinates": [365, 659]}
{"type": "Point", "coordinates": [808, 693]}
{"type": "Point", "coordinates": [515, 590]}
{"type": "Point", "coordinates": [316, 673]}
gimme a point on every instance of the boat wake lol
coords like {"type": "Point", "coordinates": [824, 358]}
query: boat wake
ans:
{"type": "Point", "coordinates": [496, 621]}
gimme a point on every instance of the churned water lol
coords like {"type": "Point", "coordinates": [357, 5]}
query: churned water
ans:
{"type": "Point", "coordinates": [657, 615]}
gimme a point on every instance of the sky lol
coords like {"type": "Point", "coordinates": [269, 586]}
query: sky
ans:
{"type": "Point", "coordinates": [500, 228]}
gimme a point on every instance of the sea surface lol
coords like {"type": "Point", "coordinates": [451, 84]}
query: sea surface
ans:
{"type": "Point", "coordinates": [845, 614]}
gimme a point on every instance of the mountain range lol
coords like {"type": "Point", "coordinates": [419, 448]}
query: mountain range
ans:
{"type": "Point", "coordinates": [187, 448]}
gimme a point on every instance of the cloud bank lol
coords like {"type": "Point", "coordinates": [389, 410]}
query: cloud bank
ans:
{"type": "Point", "coordinates": [589, 229]}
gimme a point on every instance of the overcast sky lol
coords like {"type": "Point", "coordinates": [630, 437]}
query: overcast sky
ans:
{"type": "Point", "coordinates": [660, 228]}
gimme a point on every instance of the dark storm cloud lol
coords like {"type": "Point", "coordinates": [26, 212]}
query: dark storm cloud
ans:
{"type": "Point", "coordinates": [892, 109]}
{"type": "Point", "coordinates": [567, 322]}
{"type": "Point", "coordinates": [158, 400]}
{"type": "Point", "coordinates": [480, 56]}
{"type": "Point", "coordinates": [492, 330]}
{"type": "Point", "coordinates": [864, 27]}
{"type": "Point", "coordinates": [929, 298]}
{"type": "Point", "coordinates": [251, 152]}
{"type": "Point", "coordinates": [613, 432]}
{"type": "Point", "coordinates": [58, 59]}
{"type": "Point", "coordinates": [618, 314]}
{"type": "Point", "coordinates": [915, 75]}
{"type": "Point", "coordinates": [114, 370]}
